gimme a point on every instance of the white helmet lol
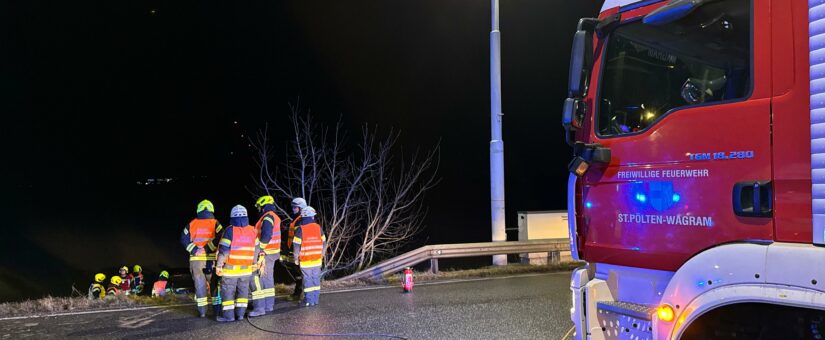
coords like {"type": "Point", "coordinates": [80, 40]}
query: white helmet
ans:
{"type": "Point", "coordinates": [299, 202]}
{"type": "Point", "coordinates": [308, 212]}
{"type": "Point", "coordinates": [238, 211]}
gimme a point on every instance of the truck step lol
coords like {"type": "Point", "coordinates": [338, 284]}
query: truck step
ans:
{"type": "Point", "coordinates": [635, 310]}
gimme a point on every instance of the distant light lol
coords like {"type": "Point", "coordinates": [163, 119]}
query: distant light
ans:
{"type": "Point", "coordinates": [153, 11]}
{"type": "Point", "coordinates": [588, 204]}
{"type": "Point", "coordinates": [649, 115]}
{"type": "Point", "coordinates": [236, 122]}
{"type": "Point", "coordinates": [676, 198]}
{"type": "Point", "coordinates": [641, 197]}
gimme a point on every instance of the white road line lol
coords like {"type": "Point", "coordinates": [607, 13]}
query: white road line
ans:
{"type": "Point", "coordinates": [281, 296]}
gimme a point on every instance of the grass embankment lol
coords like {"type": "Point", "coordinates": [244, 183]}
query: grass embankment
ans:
{"type": "Point", "coordinates": [56, 305]}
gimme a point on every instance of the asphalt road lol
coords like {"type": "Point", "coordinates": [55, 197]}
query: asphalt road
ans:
{"type": "Point", "coordinates": [522, 307]}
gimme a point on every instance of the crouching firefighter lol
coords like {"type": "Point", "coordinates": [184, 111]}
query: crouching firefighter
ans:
{"type": "Point", "coordinates": [238, 250]}
{"type": "Point", "coordinates": [198, 237]}
{"type": "Point", "coordinates": [269, 232]}
{"type": "Point", "coordinates": [96, 290]}
{"type": "Point", "coordinates": [309, 253]}
{"type": "Point", "coordinates": [114, 286]}
{"type": "Point", "coordinates": [288, 257]}
{"type": "Point", "coordinates": [162, 285]}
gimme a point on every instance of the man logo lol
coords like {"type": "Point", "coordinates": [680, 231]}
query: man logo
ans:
{"type": "Point", "coordinates": [661, 195]}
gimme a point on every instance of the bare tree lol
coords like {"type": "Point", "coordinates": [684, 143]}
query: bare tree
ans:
{"type": "Point", "coordinates": [369, 195]}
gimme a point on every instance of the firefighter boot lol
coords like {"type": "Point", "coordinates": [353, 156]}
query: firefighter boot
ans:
{"type": "Point", "coordinates": [270, 304]}
{"type": "Point", "coordinates": [257, 311]}
{"type": "Point", "coordinates": [202, 311]}
{"type": "Point", "coordinates": [239, 313]}
{"type": "Point", "coordinates": [299, 286]}
{"type": "Point", "coordinates": [228, 315]}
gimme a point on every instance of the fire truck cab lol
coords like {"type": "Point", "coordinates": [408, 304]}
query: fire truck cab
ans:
{"type": "Point", "coordinates": [697, 186]}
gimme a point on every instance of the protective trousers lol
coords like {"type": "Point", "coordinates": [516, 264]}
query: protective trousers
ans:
{"type": "Point", "coordinates": [234, 296]}
{"type": "Point", "coordinates": [268, 281]}
{"type": "Point", "coordinates": [312, 284]}
{"type": "Point", "coordinates": [201, 275]}
{"type": "Point", "coordinates": [258, 294]}
{"type": "Point", "coordinates": [295, 271]}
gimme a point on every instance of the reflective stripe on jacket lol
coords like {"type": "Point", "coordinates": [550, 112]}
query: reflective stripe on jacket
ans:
{"type": "Point", "coordinates": [274, 245]}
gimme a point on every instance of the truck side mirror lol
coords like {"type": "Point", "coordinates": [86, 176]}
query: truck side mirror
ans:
{"type": "Point", "coordinates": [579, 68]}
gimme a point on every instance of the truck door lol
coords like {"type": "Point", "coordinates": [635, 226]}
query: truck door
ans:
{"type": "Point", "coordinates": [684, 108]}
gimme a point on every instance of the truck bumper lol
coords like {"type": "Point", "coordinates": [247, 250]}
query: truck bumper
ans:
{"type": "Point", "coordinates": [577, 311]}
{"type": "Point", "coordinates": [596, 314]}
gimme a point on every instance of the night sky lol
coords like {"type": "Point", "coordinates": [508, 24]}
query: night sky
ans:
{"type": "Point", "coordinates": [98, 95]}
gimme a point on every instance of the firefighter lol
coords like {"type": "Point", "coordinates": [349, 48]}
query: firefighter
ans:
{"type": "Point", "coordinates": [239, 248]}
{"type": "Point", "coordinates": [136, 280]}
{"type": "Point", "coordinates": [288, 258]}
{"type": "Point", "coordinates": [125, 282]}
{"type": "Point", "coordinates": [198, 238]}
{"type": "Point", "coordinates": [96, 290]}
{"type": "Point", "coordinates": [162, 285]}
{"type": "Point", "coordinates": [269, 232]}
{"type": "Point", "coordinates": [309, 254]}
{"type": "Point", "coordinates": [114, 286]}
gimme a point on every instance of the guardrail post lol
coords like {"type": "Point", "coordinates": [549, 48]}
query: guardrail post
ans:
{"type": "Point", "coordinates": [554, 257]}
{"type": "Point", "coordinates": [434, 265]}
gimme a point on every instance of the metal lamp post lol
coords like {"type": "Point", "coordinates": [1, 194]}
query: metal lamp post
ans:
{"type": "Point", "coordinates": [496, 140]}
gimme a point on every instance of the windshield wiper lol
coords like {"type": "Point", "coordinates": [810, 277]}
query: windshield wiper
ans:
{"type": "Point", "coordinates": [674, 10]}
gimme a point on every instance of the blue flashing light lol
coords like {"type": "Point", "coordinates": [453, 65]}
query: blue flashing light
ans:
{"type": "Point", "coordinates": [588, 204]}
{"type": "Point", "coordinates": [636, 248]}
{"type": "Point", "coordinates": [641, 197]}
{"type": "Point", "coordinates": [676, 198]}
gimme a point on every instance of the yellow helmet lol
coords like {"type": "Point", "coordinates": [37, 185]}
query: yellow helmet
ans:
{"type": "Point", "coordinates": [206, 205]}
{"type": "Point", "coordinates": [164, 274]}
{"type": "Point", "coordinates": [137, 268]}
{"type": "Point", "coordinates": [100, 277]}
{"type": "Point", "coordinates": [124, 268]}
{"type": "Point", "coordinates": [264, 200]}
{"type": "Point", "coordinates": [116, 280]}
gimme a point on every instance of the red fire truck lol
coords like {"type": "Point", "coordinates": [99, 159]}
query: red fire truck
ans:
{"type": "Point", "coordinates": [697, 186]}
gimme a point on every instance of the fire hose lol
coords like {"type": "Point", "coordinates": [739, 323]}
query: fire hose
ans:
{"type": "Point", "coordinates": [354, 335]}
{"type": "Point", "coordinates": [358, 335]}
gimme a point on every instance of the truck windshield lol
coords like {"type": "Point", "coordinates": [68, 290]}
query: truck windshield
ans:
{"type": "Point", "coordinates": [651, 70]}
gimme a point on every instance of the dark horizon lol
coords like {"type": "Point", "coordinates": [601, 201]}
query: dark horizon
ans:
{"type": "Point", "coordinates": [99, 96]}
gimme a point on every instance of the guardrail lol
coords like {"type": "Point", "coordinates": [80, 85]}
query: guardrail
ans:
{"type": "Point", "coordinates": [441, 251]}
